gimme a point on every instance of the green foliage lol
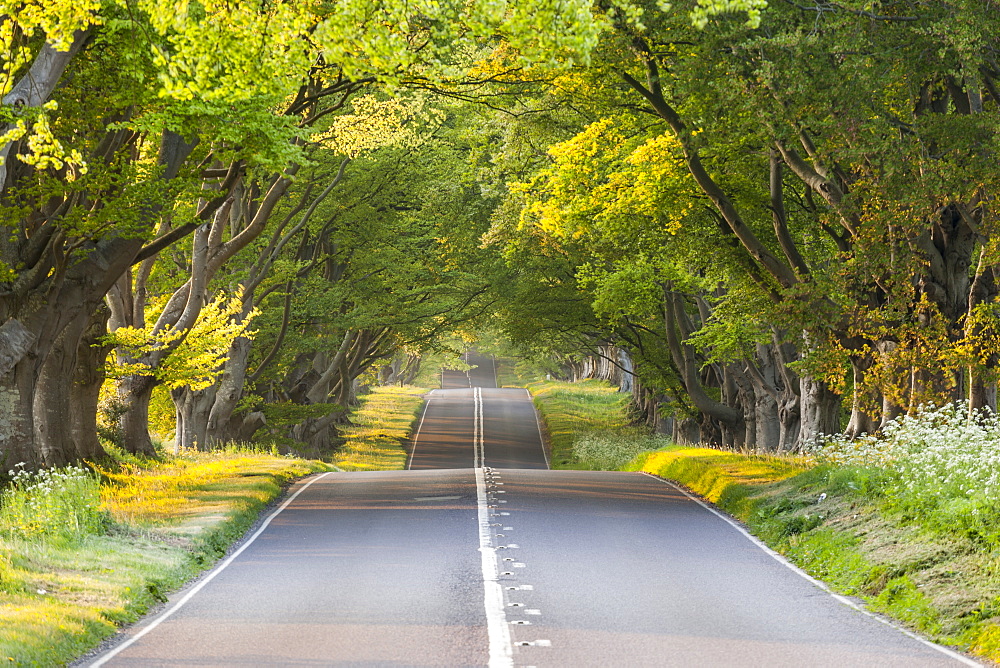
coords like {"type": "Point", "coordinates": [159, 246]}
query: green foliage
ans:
{"type": "Point", "coordinates": [938, 468]}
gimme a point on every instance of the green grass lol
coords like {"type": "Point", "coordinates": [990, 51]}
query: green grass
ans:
{"type": "Point", "coordinates": [382, 426]}
{"type": "Point", "coordinates": [571, 410]}
{"type": "Point", "coordinates": [169, 520]}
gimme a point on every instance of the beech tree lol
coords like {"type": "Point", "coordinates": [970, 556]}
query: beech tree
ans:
{"type": "Point", "coordinates": [837, 161]}
{"type": "Point", "coordinates": [130, 125]}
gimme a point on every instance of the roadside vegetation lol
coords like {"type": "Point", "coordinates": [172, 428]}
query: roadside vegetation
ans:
{"type": "Point", "coordinates": [85, 550]}
{"type": "Point", "coordinates": [380, 430]}
{"type": "Point", "coordinates": [908, 522]}
{"type": "Point", "coordinates": [575, 410]}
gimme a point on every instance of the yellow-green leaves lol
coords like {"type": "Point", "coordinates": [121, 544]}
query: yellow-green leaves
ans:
{"type": "Point", "coordinates": [57, 20]}
{"type": "Point", "coordinates": [376, 122]}
{"type": "Point", "coordinates": [43, 149]}
{"type": "Point", "coordinates": [602, 179]}
{"type": "Point", "coordinates": [706, 9]}
{"type": "Point", "coordinates": [215, 49]}
{"type": "Point", "coordinates": [195, 362]}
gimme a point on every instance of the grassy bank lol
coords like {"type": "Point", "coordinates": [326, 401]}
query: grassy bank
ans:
{"type": "Point", "coordinates": [831, 522]}
{"type": "Point", "coordinates": [83, 552]}
{"type": "Point", "coordinates": [587, 425]}
{"type": "Point", "coordinates": [909, 523]}
{"type": "Point", "coordinates": [381, 428]}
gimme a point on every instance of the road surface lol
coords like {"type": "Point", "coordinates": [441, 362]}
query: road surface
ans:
{"type": "Point", "coordinates": [478, 556]}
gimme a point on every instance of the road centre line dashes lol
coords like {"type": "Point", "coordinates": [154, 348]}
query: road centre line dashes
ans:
{"type": "Point", "coordinates": [492, 481]}
{"type": "Point", "coordinates": [478, 446]}
{"type": "Point", "coordinates": [501, 651]}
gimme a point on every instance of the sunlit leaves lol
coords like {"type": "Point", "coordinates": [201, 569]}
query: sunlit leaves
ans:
{"type": "Point", "coordinates": [195, 362]}
{"type": "Point", "coordinates": [22, 20]}
{"type": "Point", "coordinates": [214, 49]}
{"type": "Point", "coordinates": [602, 179]}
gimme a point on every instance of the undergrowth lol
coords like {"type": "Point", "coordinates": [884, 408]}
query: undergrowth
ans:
{"type": "Point", "coordinates": [591, 412]}
{"type": "Point", "coordinates": [52, 505]}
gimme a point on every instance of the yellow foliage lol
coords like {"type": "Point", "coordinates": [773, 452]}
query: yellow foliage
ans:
{"type": "Point", "coordinates": [56, 19]}
{"type": "Point", "coordinates": [375, 123]}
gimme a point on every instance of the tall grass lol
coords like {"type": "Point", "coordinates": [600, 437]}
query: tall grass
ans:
{"type": "Point", "coordinates": [608, 450]}
{"type": "Point", "coordinates": [61, 504]}
{"type": "Point", "coordinates": [590, 409]}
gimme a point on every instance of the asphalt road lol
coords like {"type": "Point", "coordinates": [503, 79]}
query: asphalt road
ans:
{"type": "Point", "coordinates": [505, 564]}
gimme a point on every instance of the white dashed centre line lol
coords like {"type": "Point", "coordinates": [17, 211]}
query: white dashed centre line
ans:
{"type": "Point", "coordinates": [501, 649]}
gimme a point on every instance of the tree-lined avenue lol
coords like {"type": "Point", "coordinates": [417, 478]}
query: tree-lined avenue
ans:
{"type": "Point", "coordinates": [595, 569]}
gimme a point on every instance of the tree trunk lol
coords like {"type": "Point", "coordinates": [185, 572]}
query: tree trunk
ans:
{"type": "Point", "coordinates": [229, 391]}
{"type": "Point", "coordinates": [135, 393]}
{"type": "Point", "coordinates": [820, 410]}
{"type": "Point", "coordinates": [17, 390]}
{"type": "Point", "coordinates": [861, 421]}
{"type": "Point", "coordinates": [192, 408]}
{"type": "Point", "coordinates": [88, 379]}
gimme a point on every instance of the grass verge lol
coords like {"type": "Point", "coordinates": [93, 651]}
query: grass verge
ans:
{"type": "Point", "coordinates": [169, 520]}
{"type": "Point", "coordinates": [846, 525]}
{"type": "Point", "coordinates": [382, 427]}
{"type": "Point", "coordinates": [587, 425]}
{"type": "Point", "coordinates": [825, 520]}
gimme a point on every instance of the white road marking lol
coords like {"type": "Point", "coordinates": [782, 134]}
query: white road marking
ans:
{"type": "Point", "coordinates": [501, 650]}
{"type": "Point", "coordinates": [419, 427]}
{"type": "Point", "coordinates": [795, 569]}
{"type": "Point", "coordinates": [538, 426]}
{"type": "Point", "coordinates": [204, 581]}
{"type": "Point", "coordinates": [478, 446]}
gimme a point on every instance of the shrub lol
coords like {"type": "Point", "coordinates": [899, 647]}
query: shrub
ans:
{"type": "Point", "coordinates": [940, 466]}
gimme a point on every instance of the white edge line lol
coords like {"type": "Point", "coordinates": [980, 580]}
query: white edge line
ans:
{"type": "Point", "coordinates": [501, 648]}
{"type": "Point", "coordinates": [204, 581]}
{"type": "Point", "coordinates": [538, 426]}
{"type": "Point", "coordinates": [413, 443]}
{"type": "Point", "coordinates": [777, 556]}
{"type": "Point", "coordinates": [478, 446]}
